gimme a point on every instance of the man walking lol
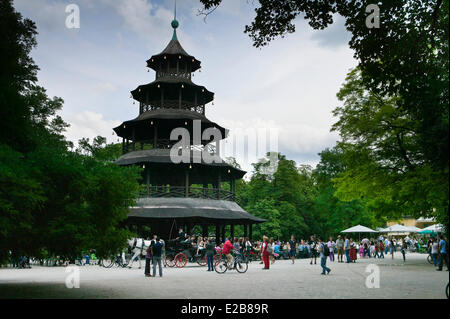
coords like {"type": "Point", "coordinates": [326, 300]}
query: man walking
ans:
{"type": "Point", "coordinates": [340, 249]}
{"type": "Point", "coordinates": [323, 258]}
{"type": "Point", "coordinates": [443, 254]}
{"type": "Point", "coordinates": [156, 257]}
{"type": "Point", "coordinates": [347, 249]}
{"type": "Point", "coordinates": [292, 246]}
{"type": "Point", "coordinates": [313, 244]}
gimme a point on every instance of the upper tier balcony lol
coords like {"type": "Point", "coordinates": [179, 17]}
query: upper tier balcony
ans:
{"type": "Point", "coordinates": [181, 191]}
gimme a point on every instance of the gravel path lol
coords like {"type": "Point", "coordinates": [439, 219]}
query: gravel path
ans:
{"type": "Point", "coordinates": [413, 279]}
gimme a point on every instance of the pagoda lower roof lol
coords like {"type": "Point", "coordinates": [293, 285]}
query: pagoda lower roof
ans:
{"type": "Point", "coordinates": [191, 208]}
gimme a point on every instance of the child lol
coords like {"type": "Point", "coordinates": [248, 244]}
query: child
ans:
{"type": "Point", "coordinates": [372, 249]}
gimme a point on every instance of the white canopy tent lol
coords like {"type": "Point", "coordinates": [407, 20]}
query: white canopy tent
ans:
{"type": "Point", "coordinates": [437, 228]}
{"type": "Point", "coordinates": [396, 229]}
{"type": "Point", "coordinates": [414, 229]}
{"type": "Point", "coordinates": [359, 229]}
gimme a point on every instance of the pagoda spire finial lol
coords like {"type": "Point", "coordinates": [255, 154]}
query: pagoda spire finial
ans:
{"type": "Point", "coordinates": [175, 23]}
{"type": "Point", "coordinates": [175, 11]}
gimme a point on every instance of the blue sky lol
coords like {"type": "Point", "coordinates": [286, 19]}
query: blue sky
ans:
{"type": "Point", "coordinates": [289, 86]}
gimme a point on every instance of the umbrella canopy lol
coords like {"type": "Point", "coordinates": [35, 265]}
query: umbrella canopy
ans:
{"type": "Point", "coordinates": [426, 232]}
{"type": "Point", "coordinates": [414, 229]}
{"type": "Point", "coordinates": [358, 229]}
{"type": "Point", "coordinates": [437, 228]}
{"type": "Point", "coordinates": [396, 229]}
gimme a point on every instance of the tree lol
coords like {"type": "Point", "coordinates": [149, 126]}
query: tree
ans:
{"type": "Point", "coordinates": [339, 214]}
{"type": "Point", "coordinates": [384, 158]}
{"type": "Point", "coordinates": [265, 209]}
{"type": "Point", "coordinates": [51, 199]}
{"type": "Point", "coordinates": [405, 61]}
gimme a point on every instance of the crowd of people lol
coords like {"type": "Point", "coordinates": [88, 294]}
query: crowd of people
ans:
{"type": "Point", "coordinates": [314, 248]}
{"type": "Point", "coordinates": [334, 250]}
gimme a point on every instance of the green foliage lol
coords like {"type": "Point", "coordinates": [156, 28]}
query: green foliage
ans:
{"type": "Point", "coordinates": [52, 201]}
{"type": "Point", "coordinates": [385, 162]}
{"type": "Point", "coordinates": [266, 209]}
{"type": "Point", "coordinates": [394, 122]}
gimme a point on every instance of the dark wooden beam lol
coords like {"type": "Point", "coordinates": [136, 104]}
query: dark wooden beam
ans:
{"type": "Point", "coordinates": [187, 182]}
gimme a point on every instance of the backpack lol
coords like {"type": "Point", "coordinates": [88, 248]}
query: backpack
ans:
{"type": "Point", "coordinates": [269, 248]}
{"type": "Point", "coordinates": [325, 250]}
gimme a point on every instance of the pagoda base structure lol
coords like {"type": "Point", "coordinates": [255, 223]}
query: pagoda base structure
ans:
{"type": "Point", "coordinates": [215, 218]}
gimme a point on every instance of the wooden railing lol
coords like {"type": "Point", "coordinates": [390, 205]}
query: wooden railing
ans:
{"type": "Point", "coordinates": [181, 191]}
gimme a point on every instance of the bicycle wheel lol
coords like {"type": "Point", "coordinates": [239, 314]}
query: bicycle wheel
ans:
{"type": "Point", "coordinates": [202, 261]}
{"type": "Point", "coordinates": [169, 261]}
{"type": "Point", "coordinates": [430, 259]}
{"type": "Point", "coordinates": [216, 259]}
{"type": "Point", "coordinates": [272, 259]}
{"type": "Point", "coordinates": [107, 263]}
{"type": "Point", "coordinates": [221, 267]}
{"type": "Point", "coordinates": [181, 260]}
{"type": "Point", "coordinates": [241, 266]}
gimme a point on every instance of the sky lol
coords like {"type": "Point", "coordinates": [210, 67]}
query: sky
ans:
{"type": "Point", "coordinates": [287, 89]}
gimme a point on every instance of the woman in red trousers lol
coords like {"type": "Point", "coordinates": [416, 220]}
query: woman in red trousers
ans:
{"type": "Point", "coordinates": [265, 253]}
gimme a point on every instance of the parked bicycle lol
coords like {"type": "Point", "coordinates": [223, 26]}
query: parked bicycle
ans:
{"type": "Point", "coordinates": [118, 261]}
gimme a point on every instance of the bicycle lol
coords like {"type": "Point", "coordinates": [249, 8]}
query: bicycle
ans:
{"type": "Point", "coordinates": [430, 258]}
{"type": "Point", "coordinates": [108, 263]}
{"type": "Point", "coordinates": [240, 265]}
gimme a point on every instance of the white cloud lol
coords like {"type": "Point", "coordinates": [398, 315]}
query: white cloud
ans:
{"type": "Point", "coordinates": [150, 21]}
{"type": "Point", "coordinates": [90, 124]}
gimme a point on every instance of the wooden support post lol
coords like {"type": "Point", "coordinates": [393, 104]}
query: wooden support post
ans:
{"type": "Point", "coordinates": [219, 182]}
{"type": "Point", "coordinates": [205, 190]}
{"type": "Point", "coordinates": [123, 146]}
{"type": "Point", "coordinates": [232, 231]}
{"type": "Point", "coordinates": [205, 230]}
{"type": "Point", "coordinates": [217, 234]}
{"type": "Point", "coordinates": [179, 98]}
{"type": "Point", "coordinates": [245, 230]}
{"type": "Point", "coordinates": [195, 100]}
{"type": "Point", "coordinates": [155, 137]}
{"type": "Point", "coordinates": [223, 233]}
{"type": "Point", "coordinates": [250, 231]}
{"type": "Point", "coordinates": [147, 169]}
{"type": "Point", "coordinates": [187, 182]}
{"type": "Point", "coordinates": [134, 142]}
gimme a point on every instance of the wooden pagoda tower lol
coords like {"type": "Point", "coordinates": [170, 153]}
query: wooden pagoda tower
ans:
{"type": "Point", "coordinates": [184, 194]}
